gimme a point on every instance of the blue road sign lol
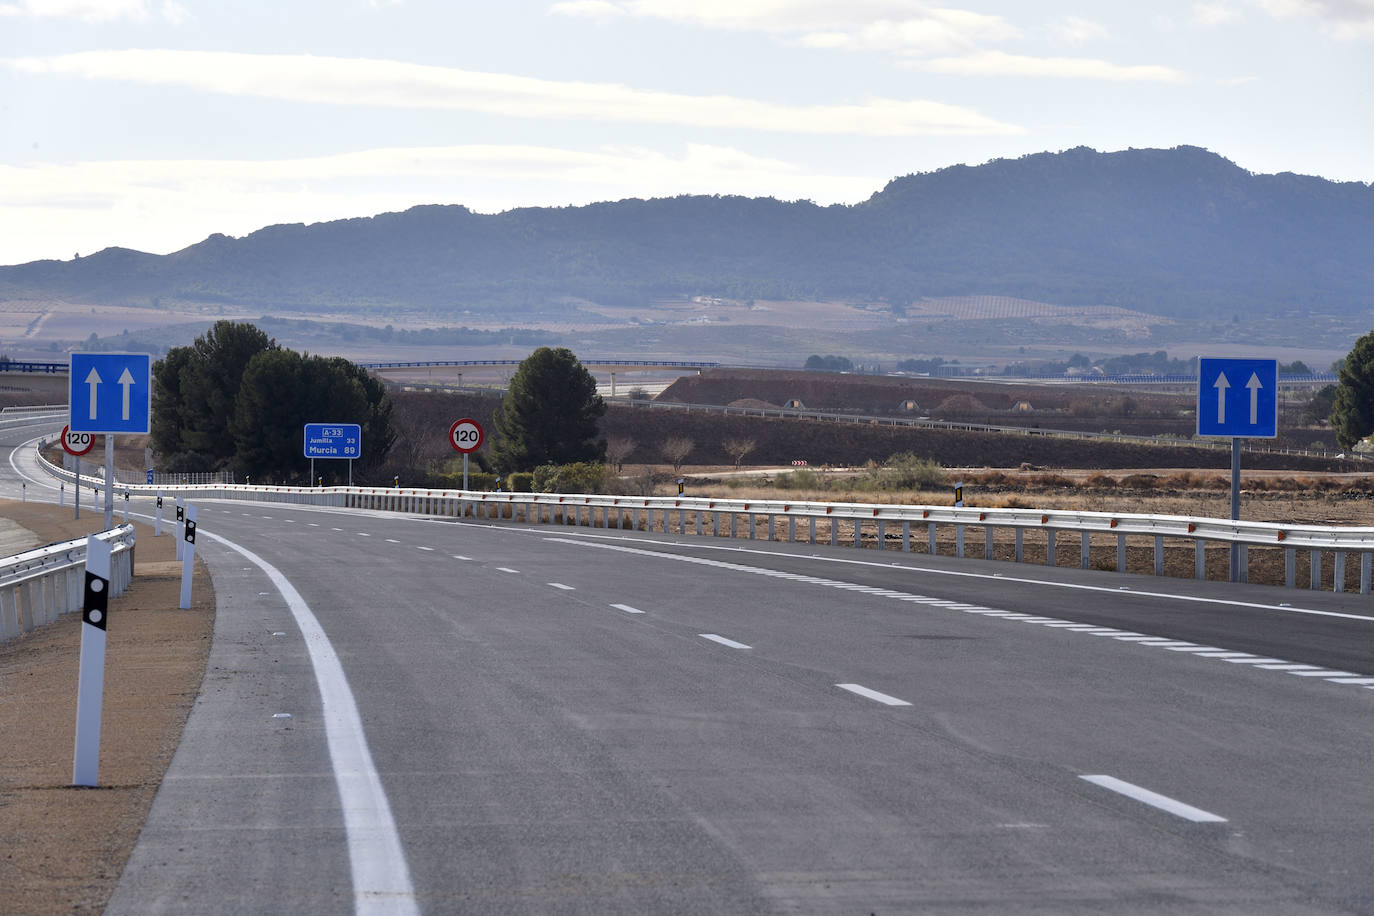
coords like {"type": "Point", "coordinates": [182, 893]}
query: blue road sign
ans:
{"type": "Point", "coordinates": [333, 440]}
{"type": "Point", "coordinates": [1238, 398]}
{"type": "Point", "coordinates": [110, 393]}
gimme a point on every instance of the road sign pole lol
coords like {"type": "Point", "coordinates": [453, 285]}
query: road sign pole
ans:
{"type": "Point", "coordinates": [465, 471]}
{"type": "Point", "coordinates": [1235, 506]}
{"type": "Point", "coordinates": [76, 492]}
{"type": "Point", "coordinates": [109, 482]}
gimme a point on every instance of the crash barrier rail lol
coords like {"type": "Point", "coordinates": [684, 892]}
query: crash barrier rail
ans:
{"type": "Point", "coordinates": [1034, 534]}
{"type": "Point", "coordinates": [39, 585]}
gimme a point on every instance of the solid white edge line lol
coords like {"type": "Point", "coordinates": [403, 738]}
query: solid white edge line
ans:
{"type": "Point", "coordinates": [723, 641]}
{"type": "Point", "coordinates": [1155, 800]}
{"type": "Point", "coordinates": [873, 694]}
{"type": "Point", "coordinates": [381, 877]}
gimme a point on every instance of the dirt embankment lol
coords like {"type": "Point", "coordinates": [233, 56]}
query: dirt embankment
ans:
{"type": "Point", "coordinates": [62, 848]}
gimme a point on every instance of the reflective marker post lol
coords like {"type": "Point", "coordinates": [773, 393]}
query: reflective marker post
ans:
{"type": "Point", "coordinates": [90, 690]}
{"type": "Point", "coordinates": [181, 516]}
{"type": "Point", "coordinates": [188, 557]}
{"type": "Point", "coordinates": [157, 528]}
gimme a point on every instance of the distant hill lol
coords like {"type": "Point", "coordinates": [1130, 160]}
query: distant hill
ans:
{"type": "Point", "coordinates": [1171, 232]}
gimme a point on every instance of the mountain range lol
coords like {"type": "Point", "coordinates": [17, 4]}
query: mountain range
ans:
{"type": "Point", "coordinates": [1174, 232]}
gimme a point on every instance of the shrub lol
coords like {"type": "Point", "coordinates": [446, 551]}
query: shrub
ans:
{"type": "Point", "coordinates": [520, 481]}
{"type": "Point", "coordinates": [1101, 481]}
{"type": "Point", "coordinates": [903, 471]}
{"type": "Point", "coordinates": [578, 477]}
{"type": "Point", "coordinates": [1140, 481]}
{"type": "Point", "coordinates": [800, 479]}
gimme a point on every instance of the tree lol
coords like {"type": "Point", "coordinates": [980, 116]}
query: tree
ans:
{"type": "Point", "coordinates": [283, 390]}
{"type": "Point", "coordinates": [1352, 413]}
{"type": "Point", "coordinates": [676, 451]}
{"type": "Point", "coordinates": [618, 448]}
{"type": "Point", "coordinates": [195, 390]}
{"type": "Point", "coordinates": [550, 414]}
{"type": "Point", "coordinates": [738, 448]}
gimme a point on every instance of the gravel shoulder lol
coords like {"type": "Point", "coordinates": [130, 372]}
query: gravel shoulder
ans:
{"type": "Point", "coordinates": [62, 848]}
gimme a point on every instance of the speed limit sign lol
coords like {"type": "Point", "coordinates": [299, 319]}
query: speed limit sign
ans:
{"type": "Point", "coordinates": [76, 443]}
{"type": "Point", "coordinates": [465, 436]}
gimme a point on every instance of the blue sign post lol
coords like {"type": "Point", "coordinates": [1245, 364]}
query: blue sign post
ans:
{"type": "Point", "coordinates": [1236, 399]}
{"type": "Point", "coordinates": [333, 440]}
{"type": "Point", "coordinates": [110, 393]}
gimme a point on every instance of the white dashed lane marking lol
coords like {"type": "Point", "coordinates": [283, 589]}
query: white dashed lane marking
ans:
{"type": "Point", "coordinates": [1334, 676]}
{"type": "Point", "coordinates": [873, 695]}
{"type": "Point", "coordinates": [729, 643]}
{"type": "Point", "coordinates": [1155, 800]}
{"type": "Point", "coordinates": [560, 585]}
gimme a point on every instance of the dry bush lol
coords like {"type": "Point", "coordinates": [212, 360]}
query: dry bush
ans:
{"type": "Point", "coordinates": [1049, 481]}
{"type": "Point", "coordinates": [1141, 481]}
{"type": "Point", "coordinates": [1100, 481]}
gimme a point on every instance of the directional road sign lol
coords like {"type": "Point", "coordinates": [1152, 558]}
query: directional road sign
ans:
{"type": "Point", "coordinates": [1238, 398]}
{"type": "Point", "coordinates": [110, 392]}
{"type": "Point", "coordinates": [333, 440]}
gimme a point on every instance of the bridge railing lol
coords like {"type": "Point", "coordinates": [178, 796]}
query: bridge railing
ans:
{"type": "Point", "coordinates": [1019, 535]}
{"type": "Point", "coordinates": [39, 585]}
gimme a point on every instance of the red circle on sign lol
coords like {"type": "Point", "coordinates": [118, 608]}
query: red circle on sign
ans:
{"type": "Point", "coordinates": [74, 448]}
{"type": "Point", "coordinates": [465, 436]}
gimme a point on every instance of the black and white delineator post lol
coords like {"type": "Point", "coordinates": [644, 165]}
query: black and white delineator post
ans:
{"type": "Point", "coordinates": [188, 557]}
{"type": "Point", "coordinates": [90, 690]}
{"type": "Point", "coordinates": [157, 528]}
{"type": "Point", "coordinates": [181, 517]}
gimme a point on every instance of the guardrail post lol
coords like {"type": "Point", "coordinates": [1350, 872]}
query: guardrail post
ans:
{"type": "Point", "coordinates": [682, 521]}
{"type": "Point", "coordinates": [882, 533]}
{"type": "Point", "coordinates": [1290, 567]}
{"type": "Point", "coordinates": [811, 538]}
{"type": "Point", "coordinates": [749, 520]}
{"type": "Point", "coordinates": [959, 541]}
{"type": "Point", "coordinates": [858, 530]}
{"type": "Point", "coordinates": [698, 514]}
{"type": "Point", "coordinates": [1159, 555]}
{"type": "Point", "coordinates": [906, 537]}
{"type": "Point", "coordinates": [791, 528]}
{"type": "Point", "coordinates": [770, 526]}
{"type": "Point", "coordinates": [1316, 570]}
{"type": "Point", "coordinates": [1121, 553]}
{"type": "Point", "coordinates": [715, 523]}
{"type": "Point", "coordinates": [1338, 574]}
{"type": "Point", "coordinates": [734, 520]}
{"type": "Point", "coordinates": [1050, 552]}
{"type": "Point", "coordinates": [1199, 558]}
{"type": "Point", "coordinates": [1364, 572]}
{"type": "Point", "coordinates": [1084, 550]}
{"type": "Point", "coordinates": [1244, 554]}
{"type": "Point", "coordinates": [932, 545]}
{"type": "Point", "coordinates": [834, 531]}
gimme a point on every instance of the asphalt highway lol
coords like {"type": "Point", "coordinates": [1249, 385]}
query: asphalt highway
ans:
{"type": "Point", "coordinates": [571, 720]}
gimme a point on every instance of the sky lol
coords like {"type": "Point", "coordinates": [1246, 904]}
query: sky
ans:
{"type": "Point", "coordinates": [151, 124]}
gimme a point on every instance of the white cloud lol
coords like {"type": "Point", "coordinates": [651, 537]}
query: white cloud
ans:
{"type": "Point", "coordinates": [1345, 20]}
{"type": "Point", "coordinates": [97, 10]}
{"type": "Point", "coordinates": [396, 84]}
{"type": "Point", "coordinates": [164, 205]}
{"type": "Point", "coordinates": [1075, 30]}
{"type": "Point", "coordinates": [857, 25]}
{"type": "Point", "coordinates": [998, 63]}
{"type": "Point", "coordinates": [1210, 15]}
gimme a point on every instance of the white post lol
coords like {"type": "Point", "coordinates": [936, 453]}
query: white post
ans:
{"type": "Point", "coordinates": [188, 557]}
{"type": "Point", "coordinates": [90, 690]}
{"type": "Point", "coordinates": [157, 527]}
{"type": "Point", "coordinates": [181, 511]}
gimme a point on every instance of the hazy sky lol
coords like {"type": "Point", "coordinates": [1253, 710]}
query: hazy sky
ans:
{"type": "Point", "coordinates": [150, 124]}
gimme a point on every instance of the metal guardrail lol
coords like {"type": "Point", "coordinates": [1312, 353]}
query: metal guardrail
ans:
{"type": "Point", "coordinates": [39, 585]}
{"type": "Point", "coordinates": [885, 526]}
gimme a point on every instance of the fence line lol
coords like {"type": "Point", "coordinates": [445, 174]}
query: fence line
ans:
{"type": "Point", "coordinates": [1034, 534]}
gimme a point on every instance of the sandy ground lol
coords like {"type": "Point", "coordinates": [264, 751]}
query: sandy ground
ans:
{"type": "Point", "coordinates": [62, 848]}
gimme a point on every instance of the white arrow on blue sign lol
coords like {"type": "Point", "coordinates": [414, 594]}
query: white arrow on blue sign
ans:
{"type": "Point", "coordinates": [1238, 398]}
{"type": "Point", "coordinates": [110, 393]}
